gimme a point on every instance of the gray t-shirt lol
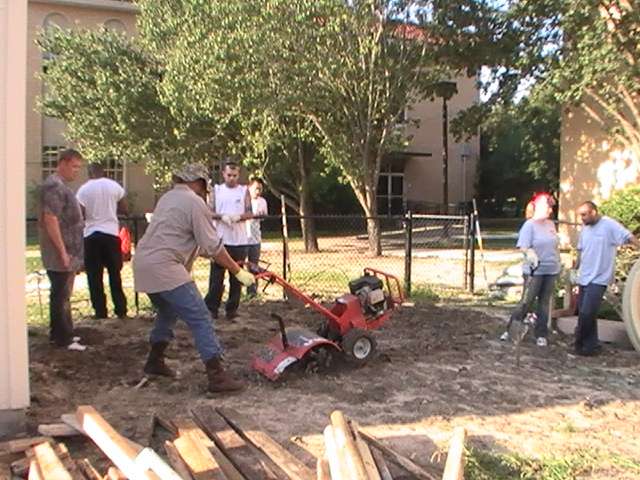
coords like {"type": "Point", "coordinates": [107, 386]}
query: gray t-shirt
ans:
{"type": "Point", "coordinates": [598, 244]}
{"type": "Point", "coordinates": [541, 235]}
{"type": "Point", "coordinates": [59, 200]}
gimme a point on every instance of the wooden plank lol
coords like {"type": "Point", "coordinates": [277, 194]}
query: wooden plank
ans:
{"type": "Point", "coordinates": [57, 430]}
{"type": "Point", "coordinates": [323, 471]}
{"type": "Point", "coordinates": [383, 468]}
{"type": "Point", "coordinates": [346, 443]}
{"type": "Point", "coordinates": [251, 463]}
{"type": "Point", "coordinates": [254, 434]}
{"type": "Point", "coordinates": [365, 453]}
{"type": "Point", "coordinates": [21, 444]}
{"type": "Point", "coordinates": [71, 420]}
{"type": "Point", "coordinates": [34, 471]}
{"type": "Point", "coordinates": [69, 463]}
{"type": "Point", "coordinates": [176, 460]}
{"type": "Point", "coordinates": [201, 463]}
{"type": "Point", "coordinates": [20, 468]}
{"type": "Point", "coordinates": [336, 464]}
{"type": "Point", "coordinates": [88, 470]}
{"type": "Point", "coordinates": [454, 467]}
{"type": "Point", "coordinates": [188, 426]}
{"type": "Point", "coordinates": [114, 473]}
{"type": "Point", "coordinates": [400, 460]}
{"type": "Point", "coordinates": [50, 465]}
{"type": "Point", "coordinates": [114, 445]}
{"type": "Point", "coordinates": [166, 424]}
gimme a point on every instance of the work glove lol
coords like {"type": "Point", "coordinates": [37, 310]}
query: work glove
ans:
{"type": "Point", "coordinates": [573, 276]}
{"type": "Point", "coordinates": [226, 219]}
{"type": "Point", "coordinates": [234, 218]}
{"type": "Point", "coordinates": [245, 278]}
{"type": "Point", "coordinates": [531, 257]}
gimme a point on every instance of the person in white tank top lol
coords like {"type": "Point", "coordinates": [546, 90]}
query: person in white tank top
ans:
{"type": "Point", "coordinates": [231, 205]}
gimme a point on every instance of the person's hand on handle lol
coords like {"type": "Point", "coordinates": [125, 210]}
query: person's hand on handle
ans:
{"type": "Point", "coordinates": [245, 278]}
{"type": "Point", "coordinates": [531, 257]}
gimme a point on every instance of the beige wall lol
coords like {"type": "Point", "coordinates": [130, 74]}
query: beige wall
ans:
{"type": "Point", "coordinates": [423, 176]}
{"type": "Point", "coordinates": [591, 168]}
{"type": "Point", "coordinates": [14, 376]}
{"type": "Point", "coordinates": [48, 131]}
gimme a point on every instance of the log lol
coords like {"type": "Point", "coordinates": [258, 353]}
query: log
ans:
{"type": "Point", "coordinates": [250, 462]}
{"type": "Point", "coordinates": [198, 459]}
{"type": "Point", "coordinates": [365, 454]}
{"type": "Point", "coordinates": [454, 467]}
{"type": "Point", "coordinates": [254, 434]}
{"type": "Point", "coordinates": [383, 468]}
{"type": "Point", "coordinates": [21, 444]}
{"type": "Point", "coordinates": [189, 427]}
{"type": "Point", "coordinates": [323, 471]}
{"type": "Point", "coordinates": [49, 464]}
{"type": "Point", "coordinates": [88, 470]}
{"type": "Point", "coordinates": [176, 460]}
{"type": "Point", "coordinates": [114, 445]}
{"type": "Point", "coordinates": [346, 444]}
{"type": "Point", "coordinates": [400, 460]}
{"type": "Point", "coordinates": [58, 430]}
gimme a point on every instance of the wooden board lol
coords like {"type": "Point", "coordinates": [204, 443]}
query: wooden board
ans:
{"type": "Point", "coordinates": [198, 459]}
{"type": "Point", "coordinates": [254, 434]}
{"type": "Point", "coordinates": [383, 468]}
{"type": "Point", "coordinates": [88, 469]}
{"type": "Point", "coordinates": [58, 430]}
{"type": "Point", "coordinates": [176, 460]}
{"type": "Point", "coordinates": [400, 460]}
{"type": "Point", "coordinates": [249, 461]}
{"type": "Point", "coordinates": [112, 444]}
{"type": "Point", "coordinates": [189, 427]}
{"type": "Point", "coordinates": [49, 463]}
{"type": "Point", "coordinates": [323, 471]}
{"type": "Point", "coordinates": [21, 444]}
{"type": "Point", "coordinates": [346, 443]}
{"type": "Point", "coordinates": [34, 471]}
{"type": "Point", "coordinates": [365, 453]}
{"type": "Point", "coordinates": [337, 469]}
{"type": "Point", "coordinates": [454, 468]}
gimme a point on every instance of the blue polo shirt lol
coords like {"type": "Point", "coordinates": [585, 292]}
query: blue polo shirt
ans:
{"type": "Point", "coordinates": [598, 245]}
{"type": "Point", "coordinates": [541, 235]}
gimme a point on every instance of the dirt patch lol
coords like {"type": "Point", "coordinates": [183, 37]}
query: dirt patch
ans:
{"type": "Point", "coordinates": [437, 367]}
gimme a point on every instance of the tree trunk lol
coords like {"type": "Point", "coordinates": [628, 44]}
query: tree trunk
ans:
{"type": "Point", "coordinates": [307, 222]}
{"type": "Point", "coordinates": [373, 222]}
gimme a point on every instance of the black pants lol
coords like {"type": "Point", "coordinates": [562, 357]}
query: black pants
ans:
{"type": "Point", "coordinates": [101, 251]}
{"type": "Point", "coordinates": [538, 287]}
{"type": "Point", "coordinates": [216, 282]}
{"type": "Point", "coordinates": [60, 322]}
{"type": "Point", "coordinates": [253, 257]}
{"type": "Point", "coordinates": [589, 301]}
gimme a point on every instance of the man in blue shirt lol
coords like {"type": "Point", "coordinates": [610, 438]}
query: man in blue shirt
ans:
{"type": "Point", "coordinates": [599, 240]}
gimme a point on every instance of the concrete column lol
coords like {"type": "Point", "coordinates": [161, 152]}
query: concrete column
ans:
{"type": "Point", "coordinates": [14, 364]}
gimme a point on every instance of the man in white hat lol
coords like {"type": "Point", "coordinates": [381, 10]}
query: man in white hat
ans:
{"type": "Point", "coordinates": [180, 230]}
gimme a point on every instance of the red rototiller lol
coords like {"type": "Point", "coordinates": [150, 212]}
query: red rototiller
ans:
{"type": "Point", "coordinates": [347, 326]}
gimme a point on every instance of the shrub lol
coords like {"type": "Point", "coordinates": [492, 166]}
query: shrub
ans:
{"type": "Point", "coordinates": [624, 206]}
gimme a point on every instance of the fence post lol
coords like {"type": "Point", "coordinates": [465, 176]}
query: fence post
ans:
{"type": "Point", "coordinates": [472, 262]}
{"type": "Point", "coordinates": [285, 240]}
{"type": "Point", "coordinates": [408, 251]}
{"type": "Point", "coordinates": [136, 297]}
{"type": "Point", "coordinates": [465, 246]}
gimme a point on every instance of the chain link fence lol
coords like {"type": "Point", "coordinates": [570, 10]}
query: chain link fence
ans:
{"type": "Point", "coordinates": [420, 250]}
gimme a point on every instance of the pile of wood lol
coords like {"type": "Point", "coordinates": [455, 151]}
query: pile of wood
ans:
{"type": "Point", "coordinates": [216, 444]}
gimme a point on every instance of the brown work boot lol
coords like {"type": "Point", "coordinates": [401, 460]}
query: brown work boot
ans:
{"type": "Point", "coordinates": [155, 362]}
{"type": "Point", "coordinates": [219, 379]}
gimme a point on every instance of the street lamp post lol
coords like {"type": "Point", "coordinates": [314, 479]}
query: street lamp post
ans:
{"type": "Point", "coordinates": [445, 90]}
{"type": "Point", "coordinates": [465, 153]}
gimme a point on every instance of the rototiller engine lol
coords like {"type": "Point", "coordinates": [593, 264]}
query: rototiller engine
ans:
{"type": "Point", "coordinates": [346, 328]}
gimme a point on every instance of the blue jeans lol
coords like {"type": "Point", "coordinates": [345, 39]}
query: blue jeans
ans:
{"type": "Point", "coordinates": [589, 300]}
{"type": "Point", "coordinates": [538, 287]}
{"type": "Point", "coordinates": [186, 303]}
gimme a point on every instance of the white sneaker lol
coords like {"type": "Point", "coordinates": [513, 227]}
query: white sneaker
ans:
{"type": "Point", "coordinates": [541, 342]}
{"type": "Point", "coordinates": [77, 347]}
{"type": "Point", "coordinates": [504, 337]}
{"type": "Point", "coordinates": [75, 339]}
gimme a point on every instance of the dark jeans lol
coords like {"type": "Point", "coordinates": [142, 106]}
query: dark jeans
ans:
{"type": "Point", "coordinates": [216, 282]}
{"type": "Point", "coordinates": [60, 322]}
{"type": "Point", "coordinates": [101, 251]}
{"type": "Point", "coordinates": [538, 287]}
{"type": "Point", "coordinates": [589, 300]}
{"type": "Point", "coordinates": [253, 256]}
{"type": "Point", "coordinates": [185, 302]}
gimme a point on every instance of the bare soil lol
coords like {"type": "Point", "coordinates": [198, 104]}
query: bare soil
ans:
{"type": "Point", "coordinates": [437, 367]}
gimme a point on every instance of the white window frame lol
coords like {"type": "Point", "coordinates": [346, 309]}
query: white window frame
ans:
{"type": "Point", "coordinates": [50, 159]}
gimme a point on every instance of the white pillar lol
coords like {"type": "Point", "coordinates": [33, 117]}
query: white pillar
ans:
{"type": "Point", "coordinates": [14, 364]}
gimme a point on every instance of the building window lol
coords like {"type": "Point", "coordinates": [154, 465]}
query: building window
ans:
{"type": "Point", "coordinates": [50, 159]}
{"type": "Point", "coordinates": [114, 169]}
{"type": "Point", "coordinates": [391, 193]}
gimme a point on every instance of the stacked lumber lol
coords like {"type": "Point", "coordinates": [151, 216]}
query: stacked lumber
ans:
{"type": "Point", "coordinates": [352, 454]}
{"type": "Point", "coordinates": [217, 444]}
